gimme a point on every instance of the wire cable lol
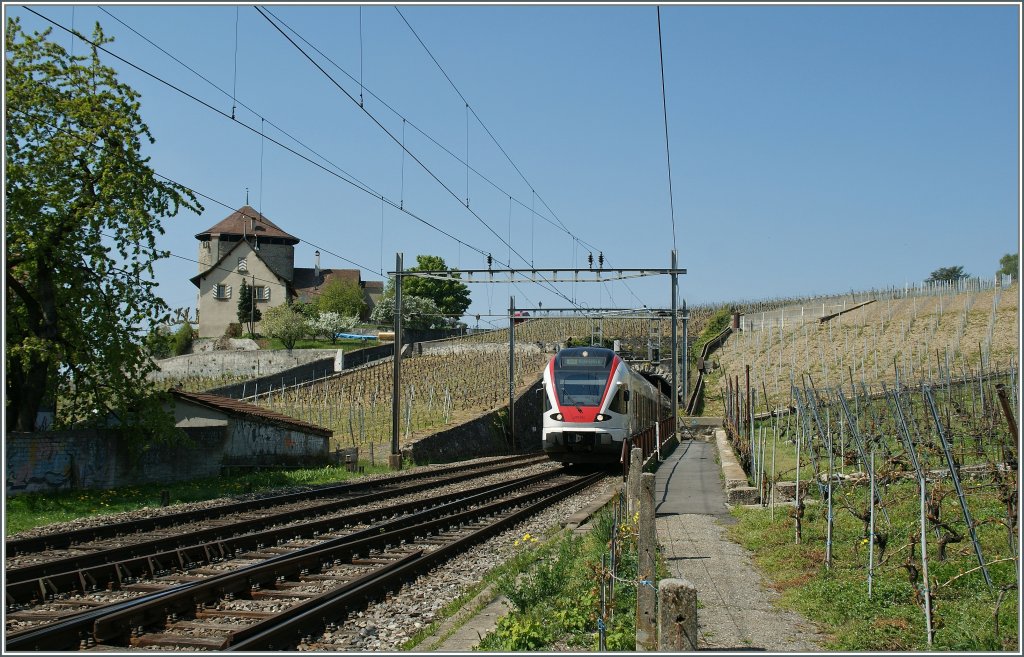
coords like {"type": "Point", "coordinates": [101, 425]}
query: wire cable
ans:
{"type": "Point", "coordinates": [343, 177]}
{"type": "Point", "coordinates": [503, 152]}
{"type": "Point", "coordinates": [668, 155]}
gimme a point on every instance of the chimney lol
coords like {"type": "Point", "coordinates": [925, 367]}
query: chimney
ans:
{"type": "Point", "coordinates": [316, 266]}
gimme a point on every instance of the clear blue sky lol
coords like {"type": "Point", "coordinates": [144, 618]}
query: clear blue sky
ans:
{"type": "Point", "coordinates": [814, 149]}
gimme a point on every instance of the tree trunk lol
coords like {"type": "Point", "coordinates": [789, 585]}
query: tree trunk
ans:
{"type": "Point", "coordinates": [29, 380]}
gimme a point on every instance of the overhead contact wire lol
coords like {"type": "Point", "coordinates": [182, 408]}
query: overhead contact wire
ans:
{"type": "Point", "coordinates": [668, 154]}
{"type": "Point", "coordinates": [358, 185]}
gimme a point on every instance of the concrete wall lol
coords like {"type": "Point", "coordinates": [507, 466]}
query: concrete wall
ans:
{"type": "Point", "coordinates": [256, 444]}
{"type": "Point", "coordinates": [484, 435]}
{"type": "Point", "coordinates": [239, 363]}
{"type": "Point", "coordinates": [66, 460]}
{"type": "Point", "coordinates": [69, 460]}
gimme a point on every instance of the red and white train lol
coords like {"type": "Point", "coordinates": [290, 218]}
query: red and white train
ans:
{"type": "Point", "coordinates": [593, 401]}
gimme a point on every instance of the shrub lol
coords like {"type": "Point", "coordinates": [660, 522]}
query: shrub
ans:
{"type": "Point", "coordinates": [329, 324]}
{"type": "Point", "coordinates": [286, 324]}
{"type": "Point", "coordinates": [234, 330]}
{"type": "Point", "coordinates": [181, 341]}
{"type": "Point", "coordinates": [159, 342]}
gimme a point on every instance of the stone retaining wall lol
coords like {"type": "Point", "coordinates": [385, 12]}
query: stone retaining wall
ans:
{"type": "Point", "coordinates": [67, 460]}
{"type": "Point", "coordinates": [248, 363]}
{"type": "Point", "coordinates": [484, 435]}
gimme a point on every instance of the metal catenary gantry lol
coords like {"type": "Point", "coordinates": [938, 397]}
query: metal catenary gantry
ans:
{"type": "Point", "coordinates": [536, 276]}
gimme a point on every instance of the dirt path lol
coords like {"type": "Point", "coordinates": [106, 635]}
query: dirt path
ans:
{"type": "Point", "coordinates": [735, 610]}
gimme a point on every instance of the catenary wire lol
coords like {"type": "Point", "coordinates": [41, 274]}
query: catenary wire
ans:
{"type": "Point", "coordinates": [500, 148]}
{"type": "Point", "coordinates": [668, 155]}
{"type": "Point", "coordinates": [480, 219]}
{"type": "Point", "coordinates": [354, 183]}
{"type": "Point", "coordinates": [368, 188]}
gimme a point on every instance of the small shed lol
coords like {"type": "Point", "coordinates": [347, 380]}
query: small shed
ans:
{"type": "Point", "coordinates": [253, 436]}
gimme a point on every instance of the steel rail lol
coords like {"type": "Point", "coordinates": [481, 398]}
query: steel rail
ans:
{"type": "Point", "coordinates": [66, 539]}
{"type": "Point", "coordinates": [167, 546]}
{"type": "Point", "coordinates": [25, 583]}
{"type": "Point", "coordinates": [115, 620]}
{"type": "Point", "coordinates": [285, 634]}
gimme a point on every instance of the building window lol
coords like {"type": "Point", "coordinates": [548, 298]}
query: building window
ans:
{"type": "Point", "coordinates": [262, 293]}
{"type": "Point", "coordinates": [242, 266]}
{"type": "Point", "coordinates": [222, 292]}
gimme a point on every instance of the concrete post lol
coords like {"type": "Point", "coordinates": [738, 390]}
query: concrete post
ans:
{"type": "Point", "coordinates": [647, 547]}
{"type": "Point", "coordinates": [636, 460]}
{"type": "Point", "coordinates": [677, 616]}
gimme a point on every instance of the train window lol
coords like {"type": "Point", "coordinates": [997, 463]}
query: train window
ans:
{"type": "Point", "coordinates": [545, 400]}
{"type": "Point", "coordinates": [620, 401]}
{"type": "Point", "coordinates": [580, 388]}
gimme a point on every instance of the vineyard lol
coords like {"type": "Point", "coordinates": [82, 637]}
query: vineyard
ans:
{"type": "Point", "coordinates": [944, 334]}
{"type": "Point", "coordinates": [896, 419]}
{"type": "Point", "coordinates": [455, 381]}
{"type": "Point", "coordinates": [915, 493]}
{"type": "Point", "coordinates": [438, 390]}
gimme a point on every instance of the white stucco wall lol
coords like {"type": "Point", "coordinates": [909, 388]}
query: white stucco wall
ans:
{"type": "Point", "coordinates": [215, 314]}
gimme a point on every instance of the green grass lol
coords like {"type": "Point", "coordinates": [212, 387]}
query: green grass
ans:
{"type": "Point", "coordinates": [554, 588]}
{"type": "Point", "coordinates": [837, 598]}
{"type": "Point", "coordinates": [23, 512]}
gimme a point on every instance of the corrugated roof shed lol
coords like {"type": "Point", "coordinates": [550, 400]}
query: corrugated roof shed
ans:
{"type": "Point", "coordinates": [236, 408]}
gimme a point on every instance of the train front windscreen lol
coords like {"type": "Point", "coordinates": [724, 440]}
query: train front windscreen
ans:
{"type": "Point", "coordinates": [581, 376]}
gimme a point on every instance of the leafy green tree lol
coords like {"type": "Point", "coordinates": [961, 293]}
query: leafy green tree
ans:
{"type": "Point", "coordinates": [248, 313]}
{"type": "Point", "coordinates": [1009, 264]}
{"type": "Point", "coordinates": [182, 339]}
{"type": "Point", "coordinates": [159, 342]}
{"type": "Point", "coordinates": [286, 324]}
{"type": "Point", "coordinates": [451, 296]}
{"type": "Point", "coordinates": [947, 274]}
{"type": "Point", "coordinates": [78, 190]}
{"type": "Point", "coordinates": [342, 297]}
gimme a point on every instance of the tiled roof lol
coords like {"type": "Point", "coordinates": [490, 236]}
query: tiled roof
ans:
{"type": "Point", "coordinates": [195, 279]}
{"type": "Point", "coordinates": [305, 279]}
{"type": "Point", "coordinates": [238, 408]}
{"type": "Point", "coordinates": [240, 222]}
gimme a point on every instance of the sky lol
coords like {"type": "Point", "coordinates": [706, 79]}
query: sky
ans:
{"type": "Point", "coordinates": [814, 149]}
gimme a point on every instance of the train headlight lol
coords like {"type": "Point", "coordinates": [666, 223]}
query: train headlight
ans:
{"type": "Point", "coordinates": [557, 417]}
{"type": "Point", "coordinates": [601, 417]}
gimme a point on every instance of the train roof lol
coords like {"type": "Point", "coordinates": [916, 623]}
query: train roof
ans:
{"type": "Point", "coordinates": [578, 351]}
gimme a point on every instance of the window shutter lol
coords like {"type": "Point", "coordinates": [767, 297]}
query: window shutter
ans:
{"type": "Point", "coordinates": [266, 293]}
{"type": "Point", "coordinates": [228, 295]}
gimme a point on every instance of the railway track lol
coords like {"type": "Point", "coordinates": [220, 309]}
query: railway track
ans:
{"type": "Point", "coordinates": [271, 587]}
{"type": "Point", "coordinates": [36, 569]}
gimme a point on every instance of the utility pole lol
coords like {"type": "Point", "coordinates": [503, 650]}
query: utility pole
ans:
{"type": "Point", "coordinates": [512, 371]}
{"type": "Point", "coordinates": [675, 347]}
{"type": "Point", "coordinates": [395, 460]}
{"type": "Point", "coordinates": [685, 356]}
